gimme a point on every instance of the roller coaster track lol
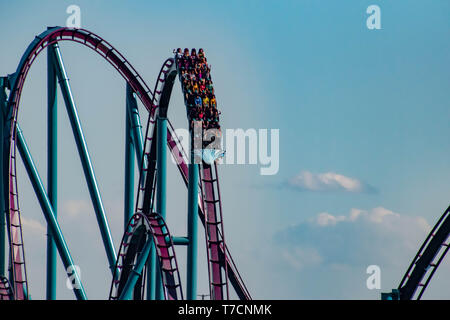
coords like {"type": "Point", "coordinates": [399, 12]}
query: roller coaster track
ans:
{"type": "Point", "coordinates": [133, 242]}
{"type": "Point", "coordinates": [6, 292]}
{"type": "Point", "coordinates": [221, 265]}
{"type": "Point", "coordinates": [234, 276]}
{"type": "Point", "coordinates": [427, 260]}
{"type": "Point", "coordinates": [217, 251]}
{"type": "Point", "coordinates": [146, 224]}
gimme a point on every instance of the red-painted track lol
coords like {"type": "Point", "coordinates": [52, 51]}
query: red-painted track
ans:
{"type": "Point", "coordinates": [214, 234]}
{"type": "Point", "coordinates": [427, 260]}
{"type": "Point", "coordinates": [155, 226]}
{"type": "Point", "coordinates": [6, 292]}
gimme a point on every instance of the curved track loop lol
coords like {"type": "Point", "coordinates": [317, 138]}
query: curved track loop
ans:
{"type": "Point", "coordinates": [51, 36]}
{"type": "Point", "coordinates": [147, 178]}
{"type": "Point", "coordinates": [149, 100]}
{"type": "Point", "coordinates": [6, 292]}
{"type": "Point", "coordinates": [132, 243]}
{"type": "Point", "coordinates": [427, 260]}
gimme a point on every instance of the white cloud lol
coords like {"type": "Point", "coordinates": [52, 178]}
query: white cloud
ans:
{"type": "Point", "coordinates": [329, 181]}
{"type": "Point", "coordinates": [376, 215]}
{"type": "Point", "coordinates": [362, 237]}
{"type": "Point", "coordinates": [325, 219]}
{"type": "Point", "coordinates": [299, 258]}
{"type": "Point", "coordinates": [74, 208]}
{"type": "Point", "coordinates": [33, 226]}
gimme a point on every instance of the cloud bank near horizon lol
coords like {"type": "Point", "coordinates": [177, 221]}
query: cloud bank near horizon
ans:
{"type": "Point", "coordinates": [328, 182]}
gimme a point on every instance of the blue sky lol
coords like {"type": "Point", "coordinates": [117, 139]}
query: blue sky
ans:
{"type": "Point", "coordinates": [355, 107]}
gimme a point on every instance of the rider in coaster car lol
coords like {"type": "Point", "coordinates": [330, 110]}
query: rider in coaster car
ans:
{"type": "Point", "coordinates": [207, 75]}
{"type": "Point", "coordinates": [192, 113]}
{"type": "Point", "coordinates": [198, 101]}
{"type": "Point", "coordinates": [197, 73]}
{"type": "Point", "coordinates": [190, 100]}
{"type": "Point", "coordinates": [185, 75]}
{"type": "Point", "coordinates": [216, 115]}
{"type": "Point", "coordinates": [203, 86]}
{"type": "Point", "coordinates": [205, 101]}
{"type": "Point", "coordinates": [209, 114]}
{"type": "Point", "coordinates": [201, 54]}
{"type": "Point", "coordinates": [192, 75]}
{"type": "Point", "coordinates": [195, 88]}
{"type": "Point", "coordinates": [178, 53]}
{"type": "Point", "coordinates": [193, 57]}
{"type": "Point", "coordinates": [213, 102]}
{"type": "Point", "coordinates": [201, 114]}
{"type": "Point", "coordinates": [188, 87]}
{"type": "Point", "coordinates": [209, 86]}
{"type": "Point", "coordinates": [185, 83]}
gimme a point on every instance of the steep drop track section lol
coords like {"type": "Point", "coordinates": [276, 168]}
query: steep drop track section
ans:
{"type": "Point", "coordinates": [209, 183]}
{"type": "Point", "coordinates": [219, 257]}
{"type": "Point", "coordinates": [427, 260]}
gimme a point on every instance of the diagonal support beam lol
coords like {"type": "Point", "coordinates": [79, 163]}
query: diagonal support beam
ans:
{"type": "Point", "coordinates": [49, 215]}
{"type": "Point", "coordinates": [85, 158]}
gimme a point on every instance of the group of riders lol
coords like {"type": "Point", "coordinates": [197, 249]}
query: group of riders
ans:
{"type": "Point", "coordinates": [197, 88]}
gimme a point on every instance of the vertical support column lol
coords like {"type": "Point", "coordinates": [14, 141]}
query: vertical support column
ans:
{"type": "Point", "coordinates": [136, 127]}
{"type": "Point", "coordinates": [151, 275]}
{"type": "Point", "coordinates": [52, 169]}
{"type": "Point", "coordinates": [192, 225]}
{"type": "Point", "coordinates": [161, 162]}
{"type": "Point", "coordinates": [85, 158]}
{"type": "Point", "coordinates": [129, 170]}
{"type": "Point", "coordinates": [3, 99]}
